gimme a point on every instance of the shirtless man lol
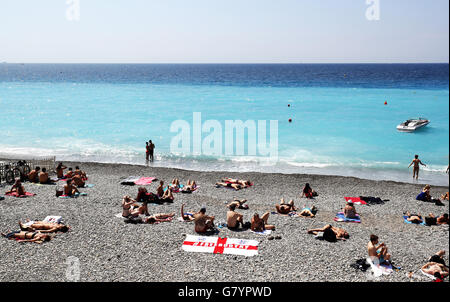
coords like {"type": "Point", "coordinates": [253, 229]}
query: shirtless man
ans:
{"type": "Point", "coordinates": [203, 222]}
{"type": "Point", "coordinates": [158, 218]}
{"type": "Point", "coordinates": [22, 236]}
{"type": "Point", "coordinates": [44, 227]}
{"type": "Point", "coordinates": [259, 224]}
{"type": "Point", "coordinates": [235, 186]}
{"type": "Point", "coordinates": [414, 218]}
{"type": "Point", "coordinates": [432, 268]}
{"type": "Point", "coordinates": [240, 204]}
{"type": "Point", "coordinates": [60, 170]}
{"type": "Point", "coordinates": [151, 148]}
{"type": "Point", "coordinates": [33, 176]}
{"type": "Point", "coordinates": [284, 208]}
{"type": "Point", "coordinates": [243, 183]}
{"type": "Point", "coordinates": [78, 180]}
{"type": "Point", "coordinates": [331, 233]}
{"type": "Point", "coordinates": [69, 188]}
{"type": "Point", "coordinates": [44, 178]}
{"type": "Point", "coordinates": [160, 189]}
{"type": "Point", "coordinates": [187, 216]}
{"type": "Point", "coordinates": [432, 220]}
{"type": "Point", "coordinates": [82, 174]}
{"type": "Point", "coordinates": [233, 218]}
{"type": "Point", "coordinates": [69, 173]}
{"type": "Point", "coordinates": [416, 161]}
{"type": "Point", "coordinates": [380, 252]}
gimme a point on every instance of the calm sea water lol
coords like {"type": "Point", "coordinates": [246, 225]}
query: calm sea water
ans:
{"type": "Point", "coordinates": [340, 124]}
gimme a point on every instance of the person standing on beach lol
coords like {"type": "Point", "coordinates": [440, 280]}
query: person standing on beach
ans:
{"type": "Point", "coordinates": [147, 152]}
{"type": "Point", "coordinates": [416, 161]}
{"type": "Point", "coordinates": [151, 149]}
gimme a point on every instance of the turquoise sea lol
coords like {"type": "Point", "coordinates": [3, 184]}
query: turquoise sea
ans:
{"type": "Point", "coordinates": [340, 124]}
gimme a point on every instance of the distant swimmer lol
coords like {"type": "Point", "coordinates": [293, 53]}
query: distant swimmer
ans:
{"type": "Point", "coordinates": [147, 152]}
{"type": "Point", "coordinates": [151, 147]}
{"type": "Point", "coordinates": [416, 161]}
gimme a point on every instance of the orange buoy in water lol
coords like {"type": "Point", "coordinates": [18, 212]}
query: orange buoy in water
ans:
{"type": "Point", "coordinates": [385, 103]}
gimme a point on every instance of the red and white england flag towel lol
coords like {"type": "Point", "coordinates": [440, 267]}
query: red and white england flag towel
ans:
{"type": "Point", "coordinates": [218, 245]}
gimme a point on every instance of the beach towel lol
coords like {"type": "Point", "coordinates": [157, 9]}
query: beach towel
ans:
{"type": "Point", "coordinates": [265, 232]}
{"type": "Point", "coordinates": [15, 194]}
{"type": "Point", "coordinates": [53, 219]}
{"type": "Point", "coordinates": [405, 219]}
{"type": "Point", "coordinates": [216, 245]}
{"type": "Point", "coordinates": [74, 196]}
{"type": "Point", "coordinates": [130, 180]}
{"type": "Point", "coordinates": [177, 190]}
{"type": "Point", "coordinates": [144, 181]}
{"type": "Point", "coordinates": [340, 217]}
{"type": "Point", "coordinates": [380, 269]}
{"type": "Point", "coordinates": [355, 200]}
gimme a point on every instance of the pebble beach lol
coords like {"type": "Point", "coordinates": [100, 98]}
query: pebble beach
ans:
{"type": "Point", "coordinates": [110, 250]}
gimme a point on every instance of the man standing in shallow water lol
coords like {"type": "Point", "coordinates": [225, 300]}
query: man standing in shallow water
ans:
{"type": "Point", "coordinates": [151, 148]}
{"type": "Point", "coordinates": [416, 161]}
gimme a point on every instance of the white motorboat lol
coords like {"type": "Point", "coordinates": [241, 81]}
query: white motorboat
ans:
{"type": "Point", "coordinates": [413, 124]}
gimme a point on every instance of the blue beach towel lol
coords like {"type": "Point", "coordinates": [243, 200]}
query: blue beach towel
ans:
{"type": "Point", "coordinates": [340, 217]}
{"type": "Point", "coordinates": [405, 219]}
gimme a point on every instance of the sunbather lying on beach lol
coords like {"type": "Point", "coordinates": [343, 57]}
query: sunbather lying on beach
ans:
{"type": "Point", "coordinates": [432, 268]}
{"type": "Point", "coordinates": [60, 170]}
{"type": "Point", "coordinates": [239, 204]}
{"type": "Point", "coordinates": [234, 218]}
{"type": "Point", "coordinates": [189, 187]}
{"type": "Point", "coordinates": [350, 211]}
{"type": "Point", "coordinates": [284, 208]}
{"type": "Point", "coordinates": [69, 188]}
{"type": "Point", "coordinates": [308, 192]}
{"type": "Point", "coordinates": [243, 183]}
{"type": "Point", "coordinates": [330, 233]}
{"type": "Point", "coordinates": [414, 218]}
{"type": "Point", "coordinates": [259, 224]}
{"type": "Point", "coordinates": [44, 227]}
{"type": "Point", "coordinates": [175, 183]}
{"type": "Point", "coordinates": [378, 253]}
{"type": "Point", "coordinates": [18, 188]}
{"type": "Point", "coordinates": [229, 185]}
{"type": "Point", "coordinates": [187, 216]}
{"type": "Point", "coordinates": [136, 210]}
{"type": "Point", "coordinates": [33, 176]}
{"type": "Point", "coordinates": [308, 212]}
{"type": "Point", "coordinates": [21, 236]}
{"type": "Point", "coordinates": [168, 195]}
{"type": "Point", "coordinates": [438, 258]}
{"type": "Point", "coordinates": [203, 222]}
{"type": "Point", "coordinates": [158, 218]}
{"type": "Point", "coordinates": [432, 220]}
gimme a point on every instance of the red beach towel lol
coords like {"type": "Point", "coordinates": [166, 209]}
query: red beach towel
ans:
{"type": "Point", "coordinates": [143, 181]}
{"type": "Point", "coordinates": [15, 194]}
{"type": "Point", "coordinates": [355, 200]}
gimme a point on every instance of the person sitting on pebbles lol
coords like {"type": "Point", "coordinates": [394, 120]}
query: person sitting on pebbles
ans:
{"type": "Point", "coordinates": [78, 181]}
{"type": "Point", "coordinates": [234, 219]}
{"type": "Point", "coordinates": [350, 211]}
{"type": "Point", "coordinates": [240, 204]}
{"type": "Point", "coordinates": [331, 233]}
{"type": "Point", "coordinates": [308, 192]}
{"type": "Point", "coordinates": [168, 195]}
{"type": "Point", "coordinates": [18, 188]}
{"type": "Point", "coordinates": [203, 222]}
{"type": "Point", "coordinates": [127, 204]}
{"type": "Point", "coordinates": [69, 188]}
{"type": "Point", "coordinates": [44, 179]}
{"type": "Point", "coordinates": [160, 189]}
{"type": "Point", "coordinates": [80, 173]}
{"type": "Point", "coordinates": [44, 227]}
{"type": "Point", "coordinates": [259, 224]}
{"type": "Point", "coordinates": [377, 253]}
{"type": "Point", "coordinates": [33, 176]}
{"type": "Point", "coordinates": [308, 212]}
{"type": "Point", "coordinates": [22, 236]}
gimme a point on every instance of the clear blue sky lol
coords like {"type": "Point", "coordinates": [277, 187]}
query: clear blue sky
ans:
{"type": "Point", "coordinates": [228, 31]}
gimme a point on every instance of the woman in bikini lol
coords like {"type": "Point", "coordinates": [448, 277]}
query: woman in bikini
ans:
{"type": "Point", "coordinates": [158, 218]}
{"type": "Point", "coordinates": [175, 184]}
{"type": "Point", "coordinates": [187, 216]}
{"type": "Point", "coordinates": [22, 236]}
{"type": "Point", "coordinates": [244, 183]}
{"type": "Point", "coordinates": [235, 186]}
{"type": "Point", "coordinates": [127, 203]}
{"type": "Point", "coordinates": [414, 218]}
{"type": "Point", "coordinates": [308, 212]}
{"type": "Point", "coordinates": [18, 188]}
{"type": "Point", "coordinates": [168, 195]}
{"type": "Point", "coordinates": [331, 233]}
{"type": "Point", "coordinates": [44, 227]}
{"type": "Point", "coordinates": [189, 187]}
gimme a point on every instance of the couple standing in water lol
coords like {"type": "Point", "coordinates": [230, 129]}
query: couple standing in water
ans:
{"type": "Point", "coordinates": [149, 149]}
